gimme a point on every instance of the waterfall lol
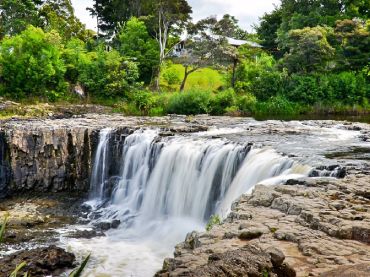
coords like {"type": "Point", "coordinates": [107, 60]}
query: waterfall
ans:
{"type": "Point", "coordinates": [100, 168]}
{"type": "Point", "coordinates": [164, 187]}
{"type": "Point", "coordinates": [182, 176]}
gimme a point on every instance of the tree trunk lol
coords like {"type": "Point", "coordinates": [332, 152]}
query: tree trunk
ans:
{"type": "Point", "coordinates": [182, 87]}
{"type": "Point", "coordinates": [233, 80]}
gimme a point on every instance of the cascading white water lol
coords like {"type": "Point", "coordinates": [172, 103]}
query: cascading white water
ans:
{"type": "Point", "coordinates": [183, 176]}
{"type": "Point", "coordinates": [168, 187]}
{"type": "Point", "coordinates": [99, 172]}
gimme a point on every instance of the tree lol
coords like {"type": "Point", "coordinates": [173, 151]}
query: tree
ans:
{"type": "Point", "coordinates": [136, 43]}
{"type": "Point", "coordinates": [228, 27]}
{"type": "Point", "coordinates": [31, 64]}
{"type": "Point", "coordinates": [171, 16]}
{"type": "Point", "coordinates": [107, 74]}
{"type": "Point", "coordinates": [112, 15]}
{"type": "Point", "coordinates": [309, 50]}
{"type": "Point", "coordinates": [354, 43]}
{"type": "Point", "coordinates": [15, 15]}
{"type": "Point", "coordinates": [207, 45]}
{"type": "Point", "coordinates": [59, 15]}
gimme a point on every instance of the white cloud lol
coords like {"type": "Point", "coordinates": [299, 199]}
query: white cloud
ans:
{"type": "Point", "coordinates": [247, 11]}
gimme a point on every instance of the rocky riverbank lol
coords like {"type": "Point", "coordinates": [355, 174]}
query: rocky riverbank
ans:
{"type": "Point", "coordinates": [305, 227]}
{"type": "Point", "coordinates": [314, 227]}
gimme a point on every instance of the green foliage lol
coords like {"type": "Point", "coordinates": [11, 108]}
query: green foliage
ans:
{"type": "Point", "coordinates": [108, 74]}
{"type": "Point", "coordinates": [78, 272]}
{"type": "Point", "coordinates": [190, 102]}
{"type": "Point", "coordinates": [143, 101]}
{"type": "Point", "coordinates": [17, 269]}
{"type": "Point", "coordinates": [309, 50]}
{"type": "Point", "coordinates": [277, 105]}
{"type": "Point", "coordinates": [214, 220]}
{"type": "Point", "coordinates": [348, 87]}
{"type": "Point", "coordinates": [171, 76]}
{"type": "Point", "coordinates": [221, 101]}
{"type": "Point", "coordinates": [3, 228]}
{"type": "Point", "coordinates": [74, 56]}
{"type": "Point", "coordinates": [136, 44]}
{"type": "Point", "coordinates": [59, 15]}
{"type": "Point", "coordinates": [16, 15]}
{"type": "Point", "coordinates": [203, 79]}
{"type": "Point", "coordinates": [31, 64]}
{"type": "Point", "coordinates": [246, 103]}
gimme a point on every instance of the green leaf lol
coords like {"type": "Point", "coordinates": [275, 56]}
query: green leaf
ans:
{"type": "Point", "coordinates": [77, 272]}
{"type": "Point", "coordinates": [18, 268]}
{"type": "Point", "coordinates": [2, 230]}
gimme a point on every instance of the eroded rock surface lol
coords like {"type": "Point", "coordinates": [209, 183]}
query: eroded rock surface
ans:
{"type": "Point", "coordinates": [317, 227]}
{"type": "Point", "coordinates": [40, 262]}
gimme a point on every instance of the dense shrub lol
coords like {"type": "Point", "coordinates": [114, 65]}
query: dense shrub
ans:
{"type": "Point", "coordinates": [221, 101]}
{"type": "Point", "coordinates": [190, 102]}
{"type": "Point", "coordinates": [277, 105]}
{"type": "Point", "coordinates": [267, 85]}
{"type": "Point", "coordinates": [74, 56]}
{"type": "Point", "coordinates": [31, 65]}
{"type": "Point", "coordinates": [304, 89]}
{"type": "Point", "coordinates": [246, 103]}
{"type": "Point", "coordinates": [108, 74]}
{"type": "Point", "coordinates": [143, 101]}
{"type": "Point", "coordinates": [349, 87]}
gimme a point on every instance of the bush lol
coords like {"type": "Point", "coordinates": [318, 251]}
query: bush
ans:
{"type": "Point", "coordinates": [277, 105]}
{"type": "Point", "coordinates": [190, 102]}
{"type": "Point", "coordinates": [143, 101]}
{"type": "Point", "coordinates": [31, 65]}
{"type": "Point", "coordinates": [172, 77]}
{"type": "Point", "coordinates": [221, 101]}
{"type": "Point", "coordinates": [349, 87]}
{"type": "Point", "coordinates": [304, 89]}
{"type": "Point", "coordinates": [246, 103]}
{"type": "Point", "coordinates": [267, 85]}
{"type": "Point", "coordinates": [108, 74]}
{"type": "Point", "coordinates": [214, 220]}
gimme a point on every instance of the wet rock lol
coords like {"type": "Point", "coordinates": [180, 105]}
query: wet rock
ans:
{"type": "Point", "coordinates": [192, 240]}
{"type": "Point", "coordinates": [115, 223]}
{"type": "Point", "coordinates": [86, 234]}
{"type": "Point", "coordinates": [40, 262]}
{"type": "Point", "coordinates": [104, 226]}
{"type": "Point", "coordinates": [277, 256]}
{"type": "Point", "coordinates": [251, 233]}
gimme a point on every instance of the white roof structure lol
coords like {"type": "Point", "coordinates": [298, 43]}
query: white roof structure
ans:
{"type": "Point", "coordinates": [239, 42]}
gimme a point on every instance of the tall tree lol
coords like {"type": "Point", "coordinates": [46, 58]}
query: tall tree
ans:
{"type": "Point", "coordinates": [59, 15]}
{"type": "Point", "coordinates": [309, 50]}
{"type": "Point", "coordinates": [136, 43]}
{"type": "Point", "coordinates": [267, 31]}
{"type": "Point", "coordinates": [15, 15]}
{"type": "Point", "coordinates": [169, 19]}
{"type": "Point", "coordinates": [111, 15]}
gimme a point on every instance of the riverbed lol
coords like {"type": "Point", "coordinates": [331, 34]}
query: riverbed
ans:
{"type": "Point", "coordinates": [161, 178]}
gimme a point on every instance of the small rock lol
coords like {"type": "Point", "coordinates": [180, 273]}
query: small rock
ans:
{"type": "Point", "coordinates": [252, 233]}
{"type": "Point", "coordinates": [192, 241]}
{"type": "Point", "coordinates": [277, 256]}
{"type": "Point", "coordinates": [115, 223]}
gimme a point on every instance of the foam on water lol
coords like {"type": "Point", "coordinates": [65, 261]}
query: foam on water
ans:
{"type": "Point", "coordinates": [167, 188]}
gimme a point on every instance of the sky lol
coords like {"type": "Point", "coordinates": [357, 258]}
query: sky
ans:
{"type": "Point", "coordinates": [246, 11]}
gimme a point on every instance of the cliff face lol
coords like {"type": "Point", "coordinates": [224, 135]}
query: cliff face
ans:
{"type": "Point", "coordinates": [49, 159]}
{"type": "Point", "coordinates": [44, 155]}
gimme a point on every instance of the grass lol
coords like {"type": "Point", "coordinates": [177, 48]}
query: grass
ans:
{"type": "Point", "coordinates": [204, 78]}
